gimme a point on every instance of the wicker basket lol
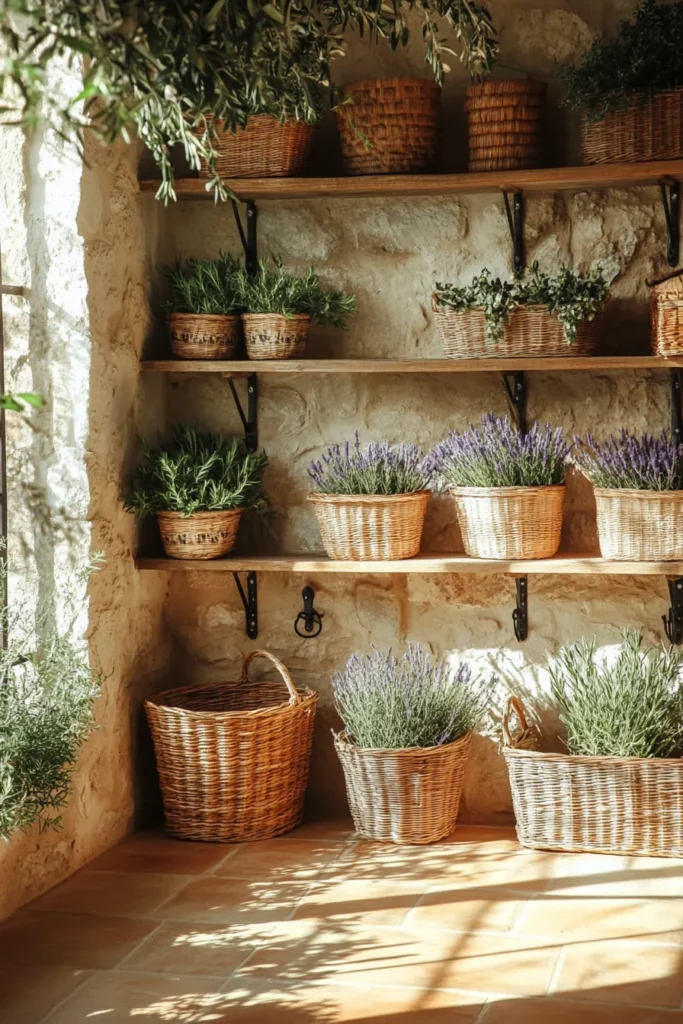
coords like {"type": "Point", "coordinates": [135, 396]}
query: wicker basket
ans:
{"type": "Point", "coordinates": [371, 527]}
{"type": "Point", "coordinates": [389, 125]}
{"type": "Point", "coordinates": [640, 526]}
{"type": "Point", "coordinates": [404, 796]}
{"type": "Point", "coordinates": [204, 337]}
{"type": "Point", "coordinates": [666, 315]}
{"type": "Point", "coordinates": [271, 336]}
{"type": "Point", "coordinates": [204, 535]}
{"type": "Point", "coordinates": [626, 805]}
{"type": "Point", "coordinates": [266, 148]}
{"type": "Point", "coordinates": [529, 331]}
{"type": "Point", "coordinates": [648, 129]}
{"type": "Point", "coordinates": [510, 522]}
{"type": "Point", "coordinates": [505, 124]}
{"type": "Point", "coordinates": [233, 758]}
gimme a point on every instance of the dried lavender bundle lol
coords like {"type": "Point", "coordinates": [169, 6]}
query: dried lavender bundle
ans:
{"type": "Point", "coordinates": [377, 469]}
{"type": "Point", "coordinates": [643, 463]}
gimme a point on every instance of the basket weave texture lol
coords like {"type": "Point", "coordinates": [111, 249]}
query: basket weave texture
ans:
{"type": "Point", "coordinates": [666, 314]}
{"type": "Point", "coordinates": [529, 331]}
{"type": "Point", "coordinates": [647, 130]}
{"type": "Point", "coordinates": [204, 337]}
{"type": "Point", "coordinates": [626, 805]}
{"type": "Point", "coordinates": [265, 148]}
{"type": "Point", "coordinates": [204, 535]}
{"type": "Point", "coordinates": [505, 124]}
{"type": "Point", "coordinates": [372, 527]}
{"type": "Point", "coordinates": [510, 522]}
{"type": "Point", "coordinates": [404, 796]}
{"type": "Point", "coordinates": [640, 525]}
{"type": "Point", "coordinates": [233, 758]}
{"type": "Point", "coordinates": [271, 336]}
{"type": "Point", "coordinates": [389, 125]}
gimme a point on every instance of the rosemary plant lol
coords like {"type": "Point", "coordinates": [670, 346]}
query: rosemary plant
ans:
{"type": "Point", "coordinates": [275, 290]}
{"type": "Point", "coordinates": [209, 287]}
{"type": "Point", "coordinates": [376, 469]}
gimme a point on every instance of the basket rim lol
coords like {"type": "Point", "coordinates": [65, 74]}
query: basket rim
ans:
{"type": "Point", "coordinates": [638, 96]}
{"type": "Point", "coordinates": [201, 515]}
{"type": "Point", "coordinates": [536, 307]}
{"type": "Point", "coordinates": [204, 316]}
{"type": "Point", "coordinates": [637, 493]}
{"type": "Point", "coordinates": [343, 739]}
{"type": "Point", "coordinates": [156, 701]}
{"type": "Point", "coordinates": [504, 492]}
{"type": "Point", "coordinates": [590, 758]}
{"type": "Point", "coordinates": [534, 87]}
{"type": "Point", "coordinates": [390, 80]}
{"type": "Point", "coordinates": [363, 499]}
{"type": "Point", "coordinates": [261, 117]}
{"type": "Point", "coordinates": [272, 316]}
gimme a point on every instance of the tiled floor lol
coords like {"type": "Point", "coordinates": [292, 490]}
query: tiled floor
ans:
{"type": "Point", "coordinates": [320, 927]}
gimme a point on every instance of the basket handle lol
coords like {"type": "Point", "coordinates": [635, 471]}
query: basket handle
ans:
{"type": "Point", "coordinates": [294, 697]}
{"type": "Point", "coordinates": [513, 706]}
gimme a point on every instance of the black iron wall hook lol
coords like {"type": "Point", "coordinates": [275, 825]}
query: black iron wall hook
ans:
{"type": "Point", "coordinates": [520, 619]}
{"type": "Point", "coordinates": [673, 622]}
{"type": "Point", "coordinates": [310, 619]}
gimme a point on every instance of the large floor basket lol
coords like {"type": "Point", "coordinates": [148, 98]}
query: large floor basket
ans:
{"type": "Point", "coordinates": [233, 758]}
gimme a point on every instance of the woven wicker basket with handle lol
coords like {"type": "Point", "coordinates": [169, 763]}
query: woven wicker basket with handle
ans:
{"type": "Point", "coordinates": [510, 522]}
{"type": "Point", "coordinates": [666, 315]}
{"type": "Point", "coordinates": [266, 148]}
{"type": "Point", "coordinates": [648, 129]}
{"type": "Point", "coordinates": [204, 337]}
{"type": "Point", "coordinates": [505, 124]}
{"type": "Point", "coordinates": [271, 336]}
{"type": "Point", "coordinates": [204, 535]}
{"type": "Point", "coordinates": [375, 527]}
{"type": "Point", "coordinates": [233, 758]}
{"type": "Point", "coordinates": [640, 525]}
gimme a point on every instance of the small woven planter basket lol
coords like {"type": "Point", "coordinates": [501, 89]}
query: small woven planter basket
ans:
{"type": "Point", "coordinates": [529, 331]}
{"type": "Point", "coordinates": [648, 129]}
{"type": "Point", "coordinates": [271, 336]}
{"type": "Point", "coordinates": [204, 535]}
{"type": "Point", "coordinates": [404, 796]}
{"type": "Point", "coordinates": [666, 315]}
{"type": "Point", "coordinates": [266, 148]}
{"type": "Point", "coordinates": [372, 527]}
{"type": "Point", "coordinates": [645, 526]}
{"type": "Point", "coordinates": [389, 125]}
{"type": "Point", "coordinates": [233, 758]}
{"type": "Point", "coordinates": [204, 337]}
{"type": "Point", "coordinates": [505, 124]}
{"type": "Point", "coordinates": [627, 805]}
{"type": "Point", "coordinates": [510, 522]}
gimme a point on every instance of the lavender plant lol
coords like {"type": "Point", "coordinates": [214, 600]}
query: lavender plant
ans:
{"type": "Point", "coordinates": [645, 463]}
{"type": "Point", "coordinates": [497, 454]}
{"type": "Point", "coordinates": [377, 469]}
{"type": "Point", "coordinates": [388, 704]}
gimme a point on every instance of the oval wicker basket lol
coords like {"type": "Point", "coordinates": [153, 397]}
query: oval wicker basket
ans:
{"type": "Point", "coordinates": [389, 125]}
{"type": "Point", "coordinates": [510, 522]}
{"type": "Point", "coordinates": [626, 805]}
{"type": "Point", "coordinates": [650, 128]}
{"type": "Point", "coordinates": [372, 527]}
{"type": "Point", "coordinates": [265, 148]}
{"type": "Point", "coordinates": [204, 337]}
{"type": "Point", "coordinates": [666, 315]}
{"type": "Point", "coordinates": [505, 123]}
{"type": "Point", "coordinates": [404, 796]}
{"type": "Point", "coordinates": [233, 758]}
{"type": "Point", "coordinates": [640, 525]}
{"type": "Point", "coordinates": [271, 336]}
{"type": "Point", "coordinates": [204, 535]}
{"type": "Point", "coordinates": [529, 331]}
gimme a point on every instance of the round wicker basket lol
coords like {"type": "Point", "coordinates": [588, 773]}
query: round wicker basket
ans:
{"type": "Point", "coordinates": [233, 758]}
{"type": "Point", "coordinates": [510, 522]}
{"type": "Point", "coordinates": [204, 535]}
{"type": "Point", "coordinates": [640, 526]}
{"type": "Point", "coordinates": [265, 148]}
{"type": "Point", "coordinates": [271, 336]}
{"type": "Point", "coordinates": [372, 527]}
{"type": "Point", "coordinates": [204, 337]}
{"type": "Point", "coordinates": [505, 124]}
{"type": "Point", "coordinates": [404, 796]}
{"type": "Point", "coordinates": [650, 128]}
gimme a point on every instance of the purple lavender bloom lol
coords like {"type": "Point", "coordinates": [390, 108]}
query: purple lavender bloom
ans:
{"type": "Point", "coordinates": [643, 463]}
{"type": "Point", "coordinates": [377, 469]}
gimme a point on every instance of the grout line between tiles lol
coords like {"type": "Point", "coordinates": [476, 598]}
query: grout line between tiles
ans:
{"type": "Point", "coordinates": [60, 1003]}
{"type": "Point", "coordinates": [138, 945]}
{"type": "Point", "coordinates": [557, 970]}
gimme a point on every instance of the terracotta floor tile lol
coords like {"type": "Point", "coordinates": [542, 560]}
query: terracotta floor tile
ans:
{"type": "Point", "coordinates": [72, 940]}
{"type": "Point", "coordinates": [384, 903]}
{"type": "Point", "coordinates": [234, 901]}
{"type": "Point", "coordinates": [568, 918]}
{"type": "Point", "coordinates": [159, 853]}
{"type": "Point", "coordinates": [183, 948]}
{"type": "Point", "coordinates": [328, 830]}
{"type": "Point", "coordinates": [644, 877]}
{"type": "Point", "coordinates": [467, 910]}
{"type": "Point", "coordinates": [622, 972]}
{"type": "Point", "coordinates": [28, 993]}
{"type": "Point", "coordinates": [110, 893]}
{"type": "Point", "coordinates": [557, 1011]}
{"type": "Point", "coordinates": [277, 860]}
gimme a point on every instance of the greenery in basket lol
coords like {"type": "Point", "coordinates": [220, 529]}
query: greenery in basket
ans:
{"type": "Point", "coordinates": [272, 289]}
{"type": "Point", "coordinates": [643, 463]}
{"type": "Point", "coordinates": [197, 472]}
{"type": "Point", "coordinates": [377, 469]}
{"type": "Point", "coordinates": [419, 701]}
{"type": "Point", "coordinates": [572, 298]}
{"type": "Point", "coordinates": [206, 287]}
{"type": "Point", "coordinates": [630, 705]}
{"type": "Point", "coordinates": [645, 58]}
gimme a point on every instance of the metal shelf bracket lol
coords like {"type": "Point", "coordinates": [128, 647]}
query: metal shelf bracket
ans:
{"type": "Point", "coordinates": [515, 216]}
{"type": "Point", "coordinates": [250, 420]}
{"type": "Point", "coordinates": [516, 392]}
{"type": "Point", "coordinates": [676, 407]}
{"type": "Point", "coordinates": [520, 619]}
{"type": "Point", "coordinates": [250, 602]}
{"type": "Point", "coordinates": [310, 619]}
{"type": "Point", "coordinates": [248, 237]}
{"type": "Point", "coordinates": [671, 201]}
{"type": "Point", "coordinates": [673, 622]}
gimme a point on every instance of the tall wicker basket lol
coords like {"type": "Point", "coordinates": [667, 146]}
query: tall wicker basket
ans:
{"type": "Point", "coordinates": [404, 796]}
{"type": "Point", "coordinates": [666, 315]}
{"type": "Point", "coordinates": [233, 758]}
{"type": "Point", "coordinates": [265, 148]}
{"type": "Point", "coordinates": [372, 527]}
{"type": "Point", "coordinates": [204, 337]}
{"type": "Point", "coordinates": [650, 128]}
{"type": "Point", "coordinates": [510, 522]}
{"type": "Point", "coordinates": [505, 122]}
{"type": "Point", "coordinates": [640, 526]}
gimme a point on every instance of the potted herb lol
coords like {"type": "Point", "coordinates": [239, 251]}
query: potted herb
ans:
{"type": "Point", "coordinates": [407, 733]}
{"type": "Point", "coordinates": [204, 308]}
{"type": "Point", "coordinates": [638, 484]}
{"type": "Point", "coordinates": [629, 90]}
{"type": "Point", "coordinates": [508, 487]}
{"type": "Point", "coordinates": [619, 787]}
{"type": "Point", "coordinates": [371, 502]}
{"type": "Point", "coordinates": [197, 486]}
{"type": "Point", "coordinates": [540, 315]}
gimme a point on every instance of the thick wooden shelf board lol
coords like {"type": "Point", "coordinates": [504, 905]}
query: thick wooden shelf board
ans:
{"type": "Point", "coordinates": [552, 179]}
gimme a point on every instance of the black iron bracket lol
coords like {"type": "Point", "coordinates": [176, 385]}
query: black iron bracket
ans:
{"type": "Point", "coordinates": [520, 618]}
{"type": "Point", "coordinates": [310, 619]}
{"type": "Point", "coordinates": [248, 237]}
{"type": "Point", "coordinates": [671, 201]}
{"type": "Point", "coordinates": [676, 407]}
{"type": "Point", "coordinates": [515, 216]}
{"type": "Point", "coordinates": [514, 384]}
{"type": "Point", "coordinates": [250, 602]}
{"type": "Point", "coordinates": [673, 622]}
{"type": "Point", "coordinates": [250, 420]}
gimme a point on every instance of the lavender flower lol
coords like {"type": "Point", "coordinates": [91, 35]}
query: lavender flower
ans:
{"type": "Point", "coordinates": [497, 454]}
{"type": "Point", "coordinates": [644, 463]}
{"type": "Point", "coordinates": [377, 469]}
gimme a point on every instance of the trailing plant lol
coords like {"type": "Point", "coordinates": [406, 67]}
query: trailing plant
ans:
{"type": "Point", "coordinates": [197, 472]}
{"type": "Point", "coordinates": [630, 705]}
{"type": "Point", "coordinates": [377, 469]}
{"type": "Point", "coordinates": [624, 460]}
{"type": "Point", "coordinates": [645, 58]}
{"type": "Point", "coordinates": [497, 454]}
{"type": "Point", "coordinates": [572, 298]}
{"type": "Point", "coordinates": [275, 290]}
{"type": "Point", "coordinates": [208, 287]}
{"type": "Point", "coordinates": [419, 701]}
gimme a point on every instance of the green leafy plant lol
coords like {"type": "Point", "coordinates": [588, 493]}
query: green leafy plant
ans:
{"type": "Point", "coordinates": [573, 298]}
{"type": "Point", "coordinates": [275, 290]}
{"type": "Point", "coordinates": [209, 287]}
{"type": "Point", "coordinates": [197, 472]}
{"type": "Point", "coordinates": [630, 705]}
